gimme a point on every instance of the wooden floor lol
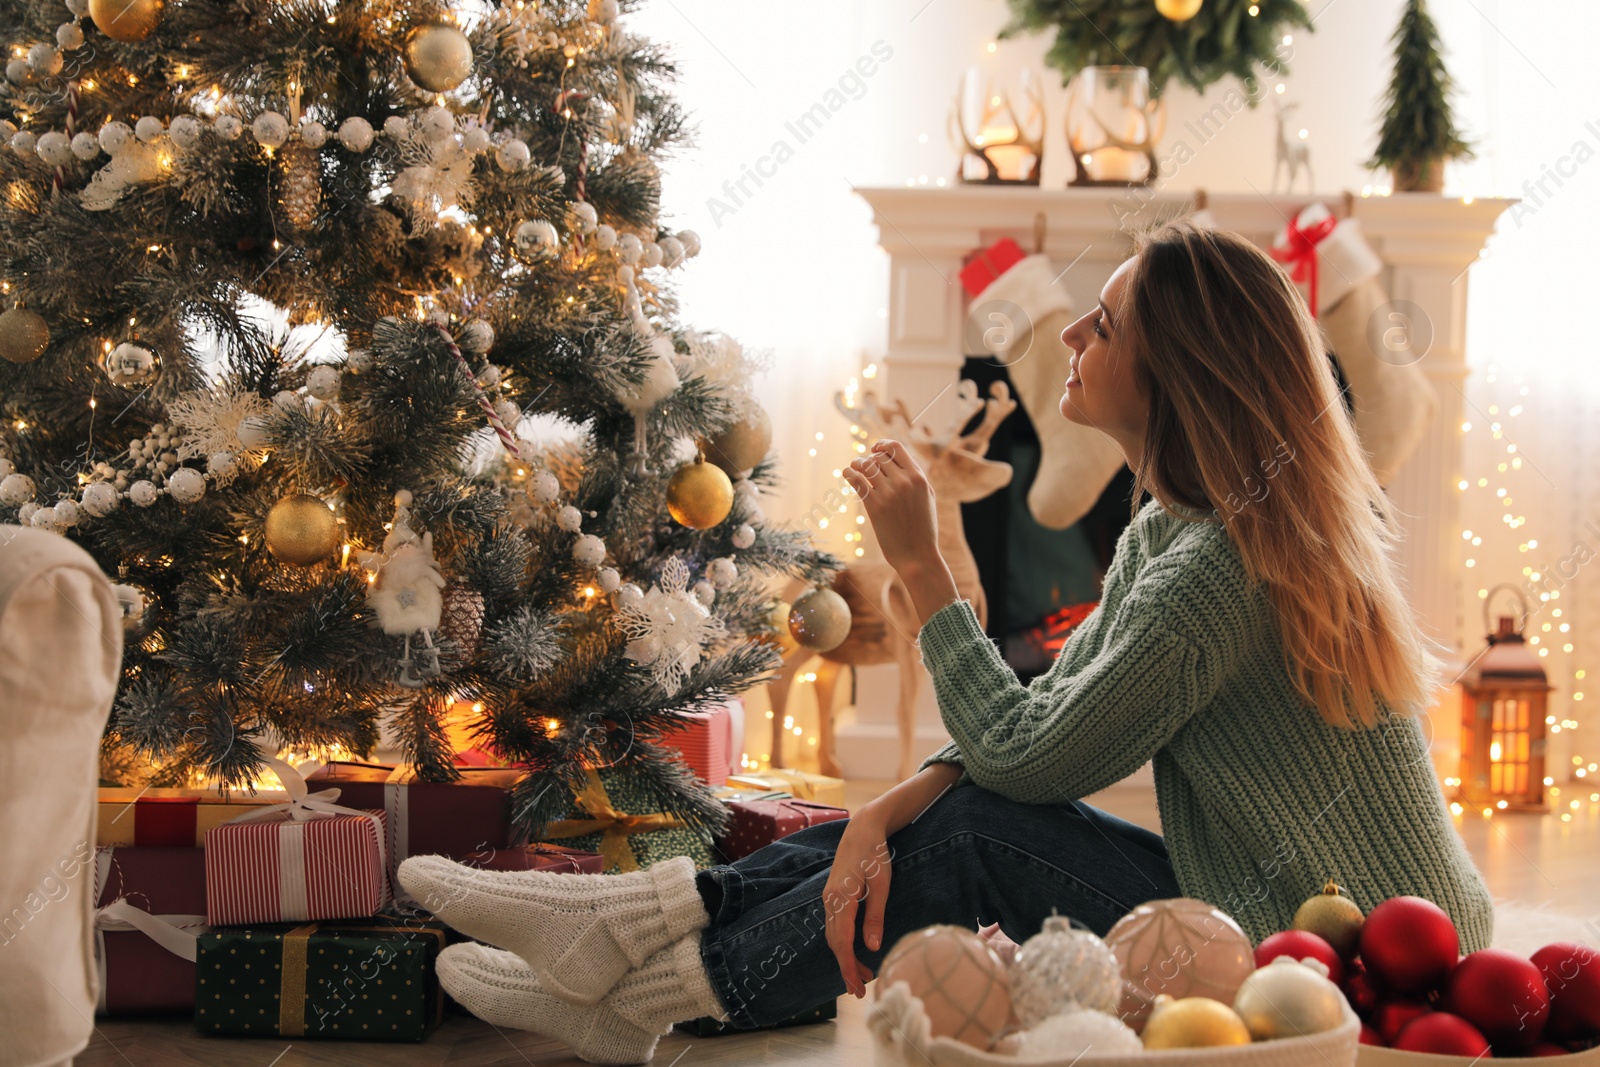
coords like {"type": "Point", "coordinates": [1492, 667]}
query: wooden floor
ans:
{"type": "Point", "coordinates": [1535, 860]}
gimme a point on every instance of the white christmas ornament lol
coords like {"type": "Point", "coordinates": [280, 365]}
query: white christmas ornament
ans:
{"type": "Point", "coordinates": [23, 142]}
{"type": "Point", "coordinates": [744, 535]}
{"type": "Point", "coordinates": [475, 139]}
{"type": "Point", "coordinates": [148, 129]}
{"type": "Point", "coordinates": [605, 236]}
{"type": "Point", "coordinates": [546, 487]}
{"type": "Point", "coordinates": [569, 519]}
{"type": "Point", "coordinates": [535, 239]}
{"type": "Point", "coordinates": [271, 129]}
{"type": "Point", "coordinates": [222, 466]}
{"type": "Point", "coordinates": [476, 336]}
{"type": "Point", "coordinates": [45, 59]}
{"type": "Point", "coordinates": [629, 248]}
{"type": "Point", "coordinates": [438, 123]}
{"type": "Point", "coordinates": [589, 550]}
{"type": "Point", "coordinates": [16, 490]}
{"type": "Point", "coordinates": [671, 251]}
{"type": "Point", "coordinates": [115, 136]}
{"type": "Point", "coordinates": [629, 595]}
{"type": "Point", "coordinates": [19, 73]}
{"type": "Point", "coordinates": [85, 146]}
{"type": "Point", "coordinates": [512, 156]}
{"type": "Point", "coordinates": [100, 499]}
{"type": "Point", "coordinates": [313, 134]}
{"type": "Point", "coordinates": [509, 413]}
{"type": "Point", "coordinates": [397, 127]}
{"type": "Point", "coordinates": [26, 513]}
{"type": "Point", "coordinates": [69, 36]}
{"type": "Point", "coordinates": [143, 492]}
{"type": "Point", "coordinates": [691, 243]}
{"type": "Point", "coordinates": [668, 628]}
{"type": "Point", "coordinates": [608, 579]}
{"type": "Point", "coordinates": [1060, 969]}
{"type": "Point", "coordinates": [228, 127]}
{"type": "Point", "coordinates": [323, 383]}
{"type": "Point", "coordinates": [66, 513]}
{"type": "Point", "coordinates": [355, 133]}
{"type": "Point", "coordinates": [44, 518]}
{"type": "Point", "coordinates": [586, 215]}
{"type": "Point", "coordinates": [1066, 1037]}
{"type": "Point", "coordinates": [651, 256]}
{"type": "Point", "coordinates": [54, 148]}
{"type": "Point", "coordinates": [489, 376]}
{"type": "Point", "coordinates": [186, 485]}
{"type": "Point", "coordinates": [288, 401]}
{"type": "Point", "coordinates": [704, 592]}
{"type": "Point", "coordinates": [722, 572]}
{"type": "Point", "coordinates": [184, 131]}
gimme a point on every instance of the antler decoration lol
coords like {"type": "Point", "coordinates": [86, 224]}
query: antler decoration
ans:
{"type": "Point", "coordinates": [976, 145]}
{"type": "Point", "coordinates": [872, 420]}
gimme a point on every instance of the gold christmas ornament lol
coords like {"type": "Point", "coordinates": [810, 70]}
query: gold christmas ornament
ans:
{"type": "Point", "coordinates": [699, 495]}
{"type": "Point", "coordinates": [1334, 918]}
{"type": "Point", "coordinates": [300, 189]}
{"type": "Point", "coordinates": [742, 445]}
{"type": "Point", "coordinates": [24, 335]}
{"type": "Point", "coordinates": [301, 530]}
{"type": "Point", "coordinates": [820, 619]}
{"type": "Point", "coordinates": [438, 57]}
{"type": "Point", "coordinates": [131, 365]}
{"type": "Point", "coordinates": [1179, 10]}
{"type": "Point", "coordinates": [126, 20]}
{"type": "Point", "coordinates": [1193, 1022]}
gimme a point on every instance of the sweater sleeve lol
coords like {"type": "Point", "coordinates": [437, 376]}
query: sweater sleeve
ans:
{"type": "Point", "coordinates": [1078, 732]}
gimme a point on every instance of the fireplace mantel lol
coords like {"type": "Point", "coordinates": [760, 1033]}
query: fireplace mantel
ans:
{"type": "Point", "coordinates": [1427, 243]}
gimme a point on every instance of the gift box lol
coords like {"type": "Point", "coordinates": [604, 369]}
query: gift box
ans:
{"type": "Point", "coordinates": [760, 821]}
{"type": "Point", "coordinates": [360, 785]}
{"type": "Point", "coordinates": [802, 785]}
{"type": "Point", "coordinates": [371, 980]}
{"type": "Point", "coordinates": [470, 814]}
{"type": "Point", "coordinates": [289, 865]}
{"type": "Point", "coordinates": [706, 740]}
{"type": "Point", "coordinates": [169, 818]}
{"type": "Point", "coordinates": [540, 857]}
{"type": "Point", "coordinates": [619, 825]}
{"type": "Point", "coordinates": [706, 1026]}
{"type": "Point", "coordinates": [150, 907]}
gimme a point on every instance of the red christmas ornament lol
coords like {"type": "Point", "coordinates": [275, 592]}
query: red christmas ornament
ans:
{"type": "Point", "coordinates": [1572, 975]}
{"type": "Point", "coordinates": [1358, 988]}
{"type": "Point", "coordinates": [1409, 944]}
{"type": "Point", "coordinates": [1442, 1033]}
{"type": "Point", "coordinates": [1369, 1036]}
{"type": "Point", "coordinates": [1502, 994]}
{"type": "Point", "coordinates": [1394, 1016]}
{"type": "Point", "coordinates": [1300, 944]}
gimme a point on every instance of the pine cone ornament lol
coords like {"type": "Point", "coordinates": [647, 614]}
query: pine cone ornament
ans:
{"type": "Point", "coordinates": [300, 191]}
{"type": "Point", "coordinates": [461, 619]}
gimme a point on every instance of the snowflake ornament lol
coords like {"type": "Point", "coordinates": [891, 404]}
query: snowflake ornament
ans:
{"type": "Point", "coordinates": [438, 174]}
{"type": "Point", "coordinates": [211, 419]}
{"type": "Point", "coordinates": [668, 628]}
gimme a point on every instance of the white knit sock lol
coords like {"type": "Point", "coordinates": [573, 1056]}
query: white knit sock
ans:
{"type": "Point", "coordinates": [580, 933]}
{"type": "Point", "coordinates": [499, 988]}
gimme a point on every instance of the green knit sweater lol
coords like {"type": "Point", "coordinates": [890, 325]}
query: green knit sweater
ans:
{"type": "Point", "coordinates": [1261, 801]}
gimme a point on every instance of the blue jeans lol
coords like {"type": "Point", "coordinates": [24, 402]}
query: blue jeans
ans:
{"type": "Point", "coordinates": [973, 857]}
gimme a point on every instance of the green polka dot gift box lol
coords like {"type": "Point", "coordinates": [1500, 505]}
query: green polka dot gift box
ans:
{"type": "Point", "coordinates": [361, 980]}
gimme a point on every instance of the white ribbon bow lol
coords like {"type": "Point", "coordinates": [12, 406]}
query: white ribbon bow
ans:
{"type": "Point", "coordinates": [171, 932]}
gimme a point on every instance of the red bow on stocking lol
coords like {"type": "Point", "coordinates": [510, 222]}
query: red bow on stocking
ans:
{"type": "Point", "coordinates": [1300, 254]}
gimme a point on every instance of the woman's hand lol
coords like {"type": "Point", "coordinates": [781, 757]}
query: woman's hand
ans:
{"type": "Point", "coordinates": [898, 499]}
{"type": "Point", "coordinates": [860, 869]}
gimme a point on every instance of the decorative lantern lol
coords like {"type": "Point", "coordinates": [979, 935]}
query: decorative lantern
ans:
{"type": "Point", "coordinates": [1504, 695]}
{"type": "Point", "coordinates": [1113, 126]}
{"type": "Point", "coordinates": [1000, 142]}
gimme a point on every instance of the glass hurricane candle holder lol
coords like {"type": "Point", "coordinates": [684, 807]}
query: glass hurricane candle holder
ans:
{"type": "Point", "coordinates": [1113, 126]}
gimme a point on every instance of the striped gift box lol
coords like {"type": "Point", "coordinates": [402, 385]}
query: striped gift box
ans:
{"type": "Point", "coordinates": [706, 741]}
{"type": "Point", "coordinates": [282, 869]}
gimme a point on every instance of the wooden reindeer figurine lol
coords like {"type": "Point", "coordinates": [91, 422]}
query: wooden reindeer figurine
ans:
{"type": "Point", "coordinates": [884, 621]}
{"type": "Point", "coordinates": [1292, 154]}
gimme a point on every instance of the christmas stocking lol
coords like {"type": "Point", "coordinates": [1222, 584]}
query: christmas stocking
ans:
{"type": "Point", "coordinates": [1017, 313]}
{"type": "Point", "coordinates": [1371, 337]}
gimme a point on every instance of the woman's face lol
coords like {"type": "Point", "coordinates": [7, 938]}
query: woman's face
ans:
{"type": "Point", "coordinates": [1103, 391]}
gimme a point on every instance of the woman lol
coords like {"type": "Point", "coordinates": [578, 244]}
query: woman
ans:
{"type": "Point", "coordinates": [1251, 640]}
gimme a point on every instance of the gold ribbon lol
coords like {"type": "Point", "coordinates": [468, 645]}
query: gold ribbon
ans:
{"type": "Point", "coordinates": [615, 825]}
{"type": "Point", "coordinates": [292, 986]}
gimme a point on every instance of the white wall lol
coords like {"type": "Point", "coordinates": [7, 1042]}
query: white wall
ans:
{"type": "Point", "coordinates": [795, 268]}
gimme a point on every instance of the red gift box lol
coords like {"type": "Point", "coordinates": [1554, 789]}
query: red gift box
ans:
{"type": "Point", "coordinates": [168, 818]}
{"type": "Point", "coordinates": [140, 975]}
{"type": "Point", "coordinates": [449, 818]}
{"type": "Point", "coordinates": [540, 857]}
{"type": "Point", "coordinates": [759, 822]}
{"type": "Point", "coordinates": [284, 868]}
{"type": "Point", "coordinates": [360, 785]}
{"type": "Point", "coordinates": [706, 740]}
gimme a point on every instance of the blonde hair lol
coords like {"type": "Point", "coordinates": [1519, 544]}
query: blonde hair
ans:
{"type": "Point", "coordinates": [1247, 420]}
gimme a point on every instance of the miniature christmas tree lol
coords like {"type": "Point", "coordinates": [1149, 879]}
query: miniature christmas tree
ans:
{"type": "Point", "coordinates": [1419, 131]}
{"type": "Point", "coordinates": [292, 288]}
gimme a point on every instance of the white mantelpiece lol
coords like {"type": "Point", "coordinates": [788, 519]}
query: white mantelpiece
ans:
{"type": "Point", "coordinates": [1427, 243]}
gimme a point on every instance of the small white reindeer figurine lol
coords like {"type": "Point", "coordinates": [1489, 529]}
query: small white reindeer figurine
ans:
{"type": "Point", "coordinates": [1293, 154]}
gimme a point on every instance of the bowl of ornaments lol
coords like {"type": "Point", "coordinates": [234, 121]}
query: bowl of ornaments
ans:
{"type": "Point", "coordinates": [1173, 982]}
{"type": "Point", "coordinates": [1423, 1004]}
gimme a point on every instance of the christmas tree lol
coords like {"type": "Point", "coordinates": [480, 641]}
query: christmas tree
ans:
{"type": "Point", "coordinates": [1419, 131]}
{"type": "Point", "coordinates": [341, 333]}
{"type": "Point", "coordinates": [1196, 42]}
